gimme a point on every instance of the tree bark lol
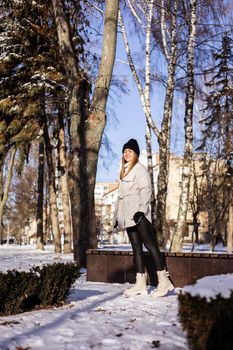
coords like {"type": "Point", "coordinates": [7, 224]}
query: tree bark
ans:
{"type": "Point", "coordinates": [4, 196]}
{"type": "Point", "coordinates": [165, 133]}
{"type": "Point", "coordinates": [94, 128]}
{"type": "Point", "coordinates": [40, 199]}
{"type": "Point", "coordinates": [86, 126]}
{"type": "Point", "coordinates": [230, 230]}
{"type": "Point", "coordinates": [5, 191]}
{"type": "Point", "coordinates": [163, 136]}
{"type": "Point", "coordinates": [151, 173]}
{"type": "Point", "coordinates": [52, 192]}
{"type": "Point", "coordinates": [177, 239]}
{"type": "Point", "coordinates": [148, 108]}
{"type": "Point", "coordinates": [64, 187]}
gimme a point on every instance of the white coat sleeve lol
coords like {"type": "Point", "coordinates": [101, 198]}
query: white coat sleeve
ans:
{"type": "Point", "coordinates": [115, 213]}
{"type": "Point", "coordinates": [144, 183]}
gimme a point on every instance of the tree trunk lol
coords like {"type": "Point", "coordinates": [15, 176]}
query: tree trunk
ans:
{"type": "Point", "coordinates": [151, 173]}
{"type": "Point", "coordinates": [86, 127]}
{"type": "Point", "coordinates": [94, 128]}
{"type": "Point", "coordinates": [144, 97]}
{"type": "Point", "coordinates": [46, 217]}
{"type": "Point", "coordinates": [230, 230]}
{"type": "Point", "coordinates": [161, 225]}
{"type": "Point", "coordinates": [64, 186]}
{"type": "Point", "coordinates": [40, 197]}
{"type": "Point", "coordinates": [177, 239]}
{"type": "Point", "coordinates": [52, 192]}
{"type": "Point", "coordinates": [5, 191]}
{"type": "Point", "coordinates": [148, 108]}
{"type": "Point", "coordinates": [165, 134]}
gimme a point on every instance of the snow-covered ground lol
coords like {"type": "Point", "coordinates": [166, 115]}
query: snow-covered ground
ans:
{"type": "Point", "coordinates": [96, 315]}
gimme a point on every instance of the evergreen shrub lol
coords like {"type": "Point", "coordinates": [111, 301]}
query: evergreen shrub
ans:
{"type": "Point", "coordinates": [208, 323]}
{"type": "Point", "coordinates": [41, 287]}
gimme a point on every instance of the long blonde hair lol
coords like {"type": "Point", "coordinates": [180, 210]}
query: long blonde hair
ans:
{"type": "Point", "coordinates": [131, 165]}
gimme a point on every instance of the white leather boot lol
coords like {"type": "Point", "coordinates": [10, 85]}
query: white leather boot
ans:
{"type": "Point", "coordinates": [139, 288]}
{"type": "Point", "coordinates": [164, 285]}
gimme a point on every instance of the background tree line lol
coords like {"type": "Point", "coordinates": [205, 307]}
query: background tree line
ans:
{"type": "Point", "coordinates": [54, 91]}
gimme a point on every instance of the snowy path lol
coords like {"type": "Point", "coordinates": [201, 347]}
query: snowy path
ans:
{"type": "Point", "coordinates": [97, 316]}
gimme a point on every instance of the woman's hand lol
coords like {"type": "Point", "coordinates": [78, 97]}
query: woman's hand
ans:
{"type": "Point", "coordinates": [138, 216]}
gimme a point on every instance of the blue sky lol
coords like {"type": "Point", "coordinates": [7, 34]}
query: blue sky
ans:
{"type": "Point", "coordinates": [132, 123]}
{"type": "Point", "coordinates": [129, 112]}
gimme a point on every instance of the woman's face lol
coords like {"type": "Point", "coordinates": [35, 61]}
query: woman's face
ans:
{"type": "Point", "coordinates": [128, 155]}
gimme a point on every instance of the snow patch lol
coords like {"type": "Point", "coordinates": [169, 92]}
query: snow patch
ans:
{"type": "Point", "coordinates": [210, 286]}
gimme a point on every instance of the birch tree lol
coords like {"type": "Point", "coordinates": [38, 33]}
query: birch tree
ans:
{"type": "Point", "coordinates": [177, 239]}
{"type": "Point", "coordinates": [148, 107]}
{"type": "Point", "coordinates": [144, 93]}
{"type": "Point", "coordinates": [151, 173]}
{"type": "Point", "coordinates": [162, 135]}
{"type": "Point", "coordinates": [165, 133]}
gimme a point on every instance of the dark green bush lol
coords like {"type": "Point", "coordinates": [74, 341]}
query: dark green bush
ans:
{"type": "Point", "coordinates": [40, 287]}
{"type": "Point", "coordinates": [209, 324]}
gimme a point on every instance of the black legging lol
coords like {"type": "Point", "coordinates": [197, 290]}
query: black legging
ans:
{"type": "Point", "coordinates": [143, 234]}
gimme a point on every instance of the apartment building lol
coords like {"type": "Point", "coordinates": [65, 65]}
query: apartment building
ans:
{"type": "Point", "coordinates": [105, 199]}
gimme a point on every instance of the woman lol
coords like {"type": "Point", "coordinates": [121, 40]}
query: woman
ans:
{"type": "Point", "coordinates": [133, 213]}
